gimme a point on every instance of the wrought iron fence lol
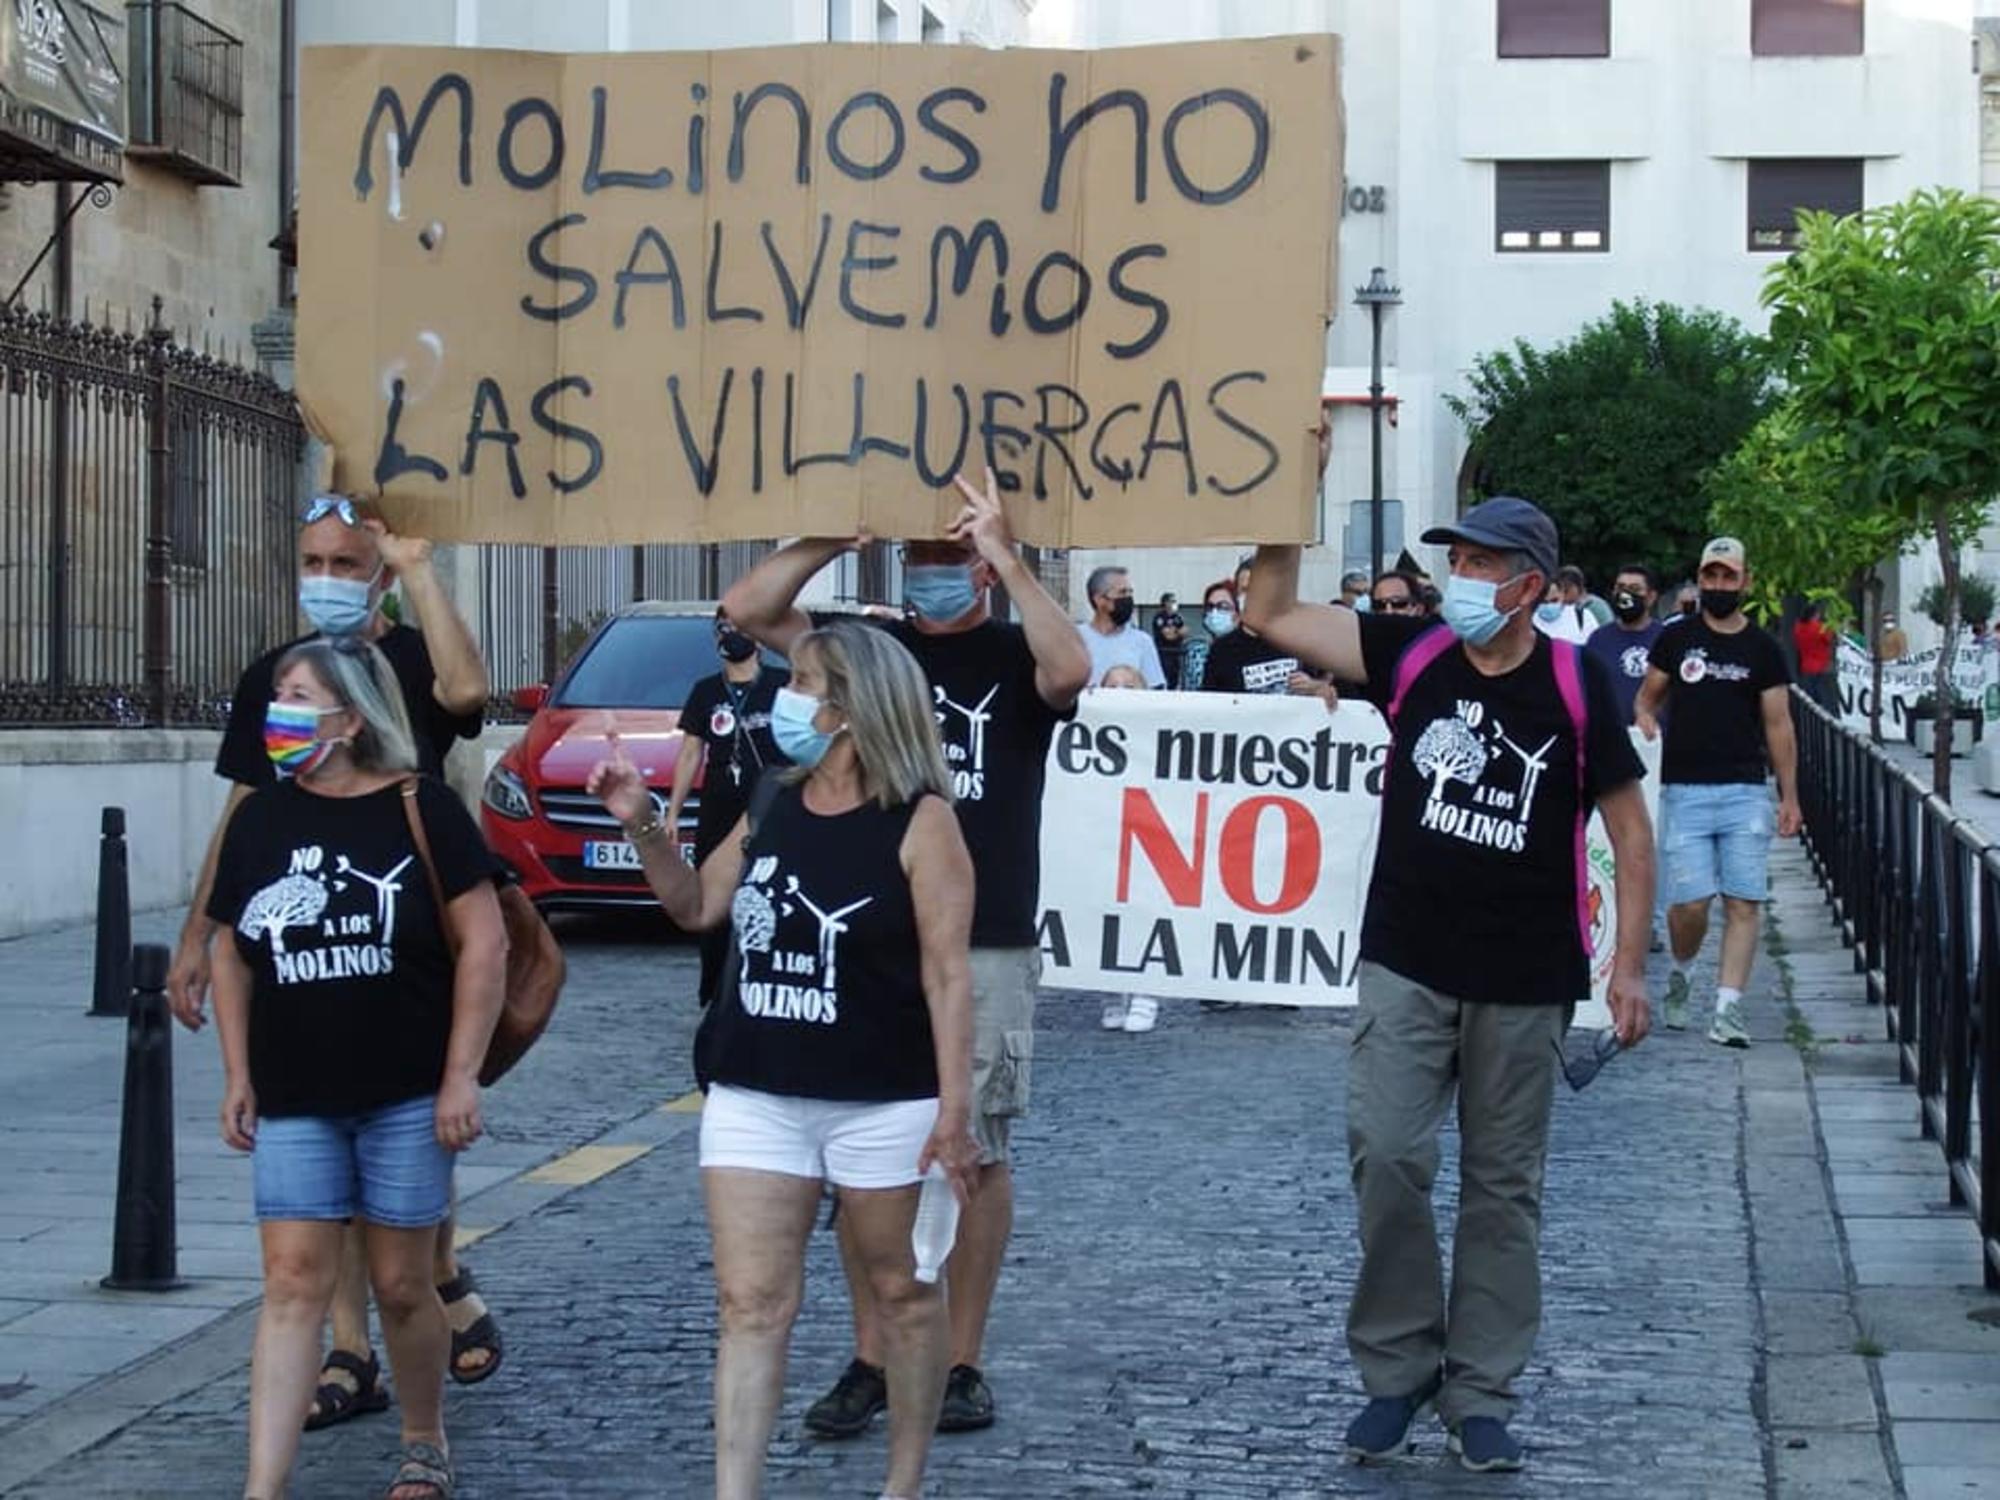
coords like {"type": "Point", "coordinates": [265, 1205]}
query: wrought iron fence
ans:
{"type": "Point", "coordinates": [1917, 892]}
{"type": "Point", "coordinates": [537, 605]}
{"type": "Point", "coordinates": [146, 524]}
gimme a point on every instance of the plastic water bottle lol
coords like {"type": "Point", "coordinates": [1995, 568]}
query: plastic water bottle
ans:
{"type": "Point", "coordinates": [936, 1229]}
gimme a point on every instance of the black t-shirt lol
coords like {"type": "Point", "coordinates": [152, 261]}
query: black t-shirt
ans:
{"type": "Point", "coordinates": [1626, 654]}
{"type": "Point", "coordinates": [242, 758]}
{"type": "Point", "coordinates": [350, 1004]}
{"type": "Point", "coordinates": [1715, 713]}
{"type": "Point", "coordinates": [1242, 662]}
{"type": "Point", "coordinates": [733, 719]}
{"type": "Point", "coordinates": [995, 727]}
{"type": "Point", "coordinates": [830, 1004]}
{"type": "Point", "coordinates": [1474, 891]}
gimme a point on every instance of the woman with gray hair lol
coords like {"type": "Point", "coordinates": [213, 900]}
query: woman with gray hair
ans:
{"type": "Point", "coordinates": [843, 1053]}
{"type": "Point", "coordinates": [351, 1036]}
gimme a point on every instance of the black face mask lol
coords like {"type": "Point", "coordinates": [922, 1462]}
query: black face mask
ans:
{"type": "Point", "coordinates": [1720, 604]}
{"type": "Point", "coordinates": [735, 646]}
{"type": "Point", "coordinates": [1121, 611]}
{"type": "Point", "coordinates": [1627, 606]}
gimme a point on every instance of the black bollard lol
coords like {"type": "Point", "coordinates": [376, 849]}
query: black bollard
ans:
{"type": "Point", "coordinates": [142, 1240]}
{"type": "Point", "coordinates": [111, 992]}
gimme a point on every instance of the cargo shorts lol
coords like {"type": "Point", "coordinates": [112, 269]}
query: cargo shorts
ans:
{"type": "Point", "coordinates": [1004, 981]}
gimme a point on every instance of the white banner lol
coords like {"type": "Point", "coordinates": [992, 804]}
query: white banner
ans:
{"type": "Point", "coordinates": [1604, 888]}
{"type": "Point", "coordinates": [1975, 673]}
{"type": "Point", "coordinates": [1210, 846]}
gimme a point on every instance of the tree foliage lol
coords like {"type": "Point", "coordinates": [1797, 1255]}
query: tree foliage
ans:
{"type": "Point", "coordinates": [1887, 328]}
{"type": "Point", "coordinates": [1611, 431]}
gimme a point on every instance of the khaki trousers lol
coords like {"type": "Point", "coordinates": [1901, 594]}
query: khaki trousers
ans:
{"type": "Point", "coordinates": [1413, 1048]}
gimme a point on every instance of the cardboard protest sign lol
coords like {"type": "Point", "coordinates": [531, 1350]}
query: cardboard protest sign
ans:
{"type": "Point", "coordinates": [609, 298]}
{"type": "Point", "coordinates": [1210, 845]}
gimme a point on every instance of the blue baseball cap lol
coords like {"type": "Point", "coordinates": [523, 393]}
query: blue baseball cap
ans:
{"type": "Point", "coordinates": [1505, 523]}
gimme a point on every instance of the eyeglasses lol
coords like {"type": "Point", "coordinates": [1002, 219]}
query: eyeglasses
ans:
{"type": "Point", "coordinates": [1580, 1067]}
{"type": "Point", "coordinates": [323, 506]}
{"type": "Point", "coordinates": [1399, 603]}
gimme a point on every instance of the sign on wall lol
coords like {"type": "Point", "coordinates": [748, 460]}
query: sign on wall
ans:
{"type": "Point", "coordinates": [635, 297]}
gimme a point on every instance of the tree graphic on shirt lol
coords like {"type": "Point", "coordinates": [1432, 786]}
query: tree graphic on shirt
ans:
{"type": "Point", "coordinates": [294, 901]}
{"type": "Point", "coordinates": [1450, 750]}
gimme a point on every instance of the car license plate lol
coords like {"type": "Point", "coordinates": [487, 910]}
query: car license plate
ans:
{"type": "Point", "coordinates": [605, 854]}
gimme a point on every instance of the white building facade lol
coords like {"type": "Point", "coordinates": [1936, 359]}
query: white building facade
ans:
{"type": "Point", "coordinates": [1511, 193]}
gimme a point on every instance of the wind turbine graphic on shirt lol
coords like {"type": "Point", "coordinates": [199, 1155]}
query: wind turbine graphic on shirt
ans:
{"type": "Point", "coordinates": [976, 719]}
{"type": "Point", "coordinates": [831, 926]}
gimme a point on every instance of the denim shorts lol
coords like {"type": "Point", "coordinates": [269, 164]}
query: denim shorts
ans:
{"type": "Point", "coordinates": [1716, 840]}
{"type": "Point", "coordinates": [385, 1166]}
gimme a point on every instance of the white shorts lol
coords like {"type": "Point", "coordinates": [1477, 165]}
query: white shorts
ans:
{"type": "Point", "coordinates": [849, 1145]}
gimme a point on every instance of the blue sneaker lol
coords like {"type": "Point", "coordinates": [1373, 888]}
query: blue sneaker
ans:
{"type": "Point", "coordinates": [1484, 1446]}
{"type": "Point", "coordinates": [1382, 1429]}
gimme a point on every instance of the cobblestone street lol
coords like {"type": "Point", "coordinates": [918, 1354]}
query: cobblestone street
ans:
{"type": "Point", "coordinates": [1170, 1323]}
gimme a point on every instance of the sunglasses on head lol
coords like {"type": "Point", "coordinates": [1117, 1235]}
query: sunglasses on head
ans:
{"type": "Point", "coordinates": [323, 506]}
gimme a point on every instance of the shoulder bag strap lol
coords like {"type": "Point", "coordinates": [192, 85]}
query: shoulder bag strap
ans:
{"type": "Point", "coordinates": [1567, 658]}
{"type": "Point", "coordinates": [430, 866]}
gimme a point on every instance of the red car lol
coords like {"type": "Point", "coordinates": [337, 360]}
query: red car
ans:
{"type": "Point", "coordinates": [633, 674]}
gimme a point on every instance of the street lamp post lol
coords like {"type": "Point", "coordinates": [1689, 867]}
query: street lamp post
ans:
{"type": "Point", "coordinates": [1378, 297]}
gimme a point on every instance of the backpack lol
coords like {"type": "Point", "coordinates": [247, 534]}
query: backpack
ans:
{"type": "Point", "coordinates": [535, 963]}
{"type": "Point", "coordinates": [1566, 657]}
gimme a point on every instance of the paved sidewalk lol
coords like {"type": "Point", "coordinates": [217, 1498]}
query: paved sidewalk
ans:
{"type": "Point", "coordinates": [1902, 1287]}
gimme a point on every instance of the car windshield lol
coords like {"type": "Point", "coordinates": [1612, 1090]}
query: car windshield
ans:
{"type": "Point", "coordinates": [644, 661]}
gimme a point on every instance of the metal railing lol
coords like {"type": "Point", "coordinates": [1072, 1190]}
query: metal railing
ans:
{"type": "Point", "coordinates": [1917, 892]}
{"type": "Point", "coordinates": [147, 515]}
{"type": "Point", "coordinates": [186, 92]}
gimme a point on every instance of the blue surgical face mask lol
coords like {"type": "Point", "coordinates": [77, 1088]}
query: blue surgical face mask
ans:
{"type": "Point", "coordinates": [1548, 614]}
{"type": "Point", "coordinates": [940, 591]}
{"type": "Point", "coordinates": [338, 606]}
{"type": "Point", "coordinates": [792, 715]}
{"type": "Point", "coordinates": [1469, 609]}
{"type": "Point", "coordinates": [1219, 621]}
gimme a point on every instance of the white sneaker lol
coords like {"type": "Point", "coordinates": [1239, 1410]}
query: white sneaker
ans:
{"type": "Point", "coordinates": [1142, 1013]}
{"type": "Point", "coordinates": [1113, 1018]}
{"type": "Point", "coordinates": [1728, 1030]}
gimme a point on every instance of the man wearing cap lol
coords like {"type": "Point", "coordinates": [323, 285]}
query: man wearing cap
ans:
{"type": "Point", "coordinates": [1722, 684]}
{"type": "Point", "coordinates": [1474, 951]}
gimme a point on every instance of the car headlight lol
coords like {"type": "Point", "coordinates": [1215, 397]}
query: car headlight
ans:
{"type": "Point", "coordinates": [506, 794]}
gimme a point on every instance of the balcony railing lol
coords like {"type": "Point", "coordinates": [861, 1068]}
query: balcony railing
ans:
{"type": "Point", "coordinates": [186, 92]}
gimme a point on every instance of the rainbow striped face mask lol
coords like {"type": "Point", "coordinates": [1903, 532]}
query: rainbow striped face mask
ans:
{"type": "Point", "coordinates": [291, 738]}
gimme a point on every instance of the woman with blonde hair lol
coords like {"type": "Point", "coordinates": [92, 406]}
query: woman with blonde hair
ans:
{"type": "Point", "coordinates": [843, 1051]}
{"type": "Point", "coordinates": [351, 1037]}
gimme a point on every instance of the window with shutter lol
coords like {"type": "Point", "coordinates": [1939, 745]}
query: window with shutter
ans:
{"type": "Point", "coordinates": [1781, 190]}
{"type": "Point", "coordinates": [1552, 205]}
{"type": "Point", "coordinates": [1555, 28]}
{"type": "Point", "coordinates": [1805, 28]}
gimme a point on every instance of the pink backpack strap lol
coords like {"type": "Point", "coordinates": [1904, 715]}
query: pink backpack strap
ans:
{"type": "Point", "coordinates": [1568, 661]}
{"type": "Point", "coordinates": [1416, 657]}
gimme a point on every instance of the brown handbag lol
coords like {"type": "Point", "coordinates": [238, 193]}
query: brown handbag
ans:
{"type": "Point", "coordinates": [535, 963]}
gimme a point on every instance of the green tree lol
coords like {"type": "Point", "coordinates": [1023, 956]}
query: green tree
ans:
{"type": "Point", "coordinates": [1788, 500]}
{"type": "Point", "coordinates": [1887, 328]}
{"type": "Point", "coordinates": [1611, 431]}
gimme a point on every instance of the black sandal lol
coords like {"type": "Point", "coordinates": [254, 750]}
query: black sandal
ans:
{"type": "Point", "coordinates": [425, 1464]}
{"type": "Point", "coordinates": [334, 1402]}
{"type": "Point", "coordinates": [484, 1334]}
